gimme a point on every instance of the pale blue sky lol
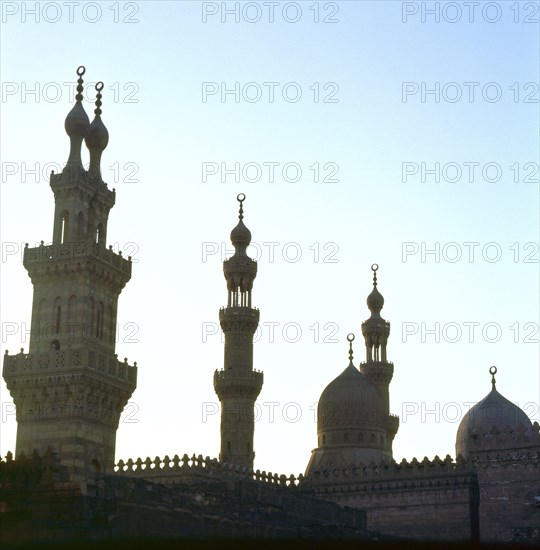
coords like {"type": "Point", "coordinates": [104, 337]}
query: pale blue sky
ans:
{"type": "Point", "coordinates": [166, 132]}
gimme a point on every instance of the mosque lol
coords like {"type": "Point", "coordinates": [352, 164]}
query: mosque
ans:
{"type": "Point", "coordinates": [70, 389]}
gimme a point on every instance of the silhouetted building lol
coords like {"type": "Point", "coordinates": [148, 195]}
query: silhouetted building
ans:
{"type": "Point", "coordinates": [70, 389]}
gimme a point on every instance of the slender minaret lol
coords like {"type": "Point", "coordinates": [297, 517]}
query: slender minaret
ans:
{"type": "Point", "coordinates": [377, 369]}
{"type": "Point", "coordinates": [70, 389]}
{"type": "Point", "coordinates": [238, 385]}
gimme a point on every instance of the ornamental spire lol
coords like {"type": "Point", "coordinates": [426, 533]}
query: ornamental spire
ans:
{"type": "Point", "coordinates": [240, 270]}
{"type": "Point", "coordinates": [240, 235]}
{"type": "Point", "coordinates": [77, 123]}
{"type": "Point", "coordinates": [493, 372]}
{"type": "Point", "coordinates": [375, 300]}
{"type": "Point", "coordinates": [97, 137]}
{"type": "Point", "coordinates": [375, 329]}
{"type": "Point", "coordinates": [350, 338]}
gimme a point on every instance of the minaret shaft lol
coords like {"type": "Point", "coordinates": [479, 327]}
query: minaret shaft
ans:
{"type": "Point", "coordinates": [238, 385]}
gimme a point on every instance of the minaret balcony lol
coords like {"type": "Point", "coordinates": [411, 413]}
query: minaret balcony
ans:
{"type": "Point", "coordinates": [239, 318]}
{"type": "Point", "coordinates": [45, 256]}
{"type": "Point", "coordinates": [229, 383]}
{"type": "Point", "coordinates": [53, 362]}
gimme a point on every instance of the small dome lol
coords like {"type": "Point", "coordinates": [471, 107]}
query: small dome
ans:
{"type": "Point", "coordinates": [77, 121]}
{"type": "Point", "coordinates": [494, 411]}
{"type": "Point", "coordinates": [241, 235]}
{"type": "Point", "coordinates": [97, 136]}
{"type": "Point", "coordinates": [350, 400]}
{"type": "Point", "coordinates": [375, 300]}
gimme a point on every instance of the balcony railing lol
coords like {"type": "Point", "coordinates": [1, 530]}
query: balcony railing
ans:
{"type": "Point", "coordinates": [76, 250]}
{"type": "Point", "coordinates": [57, 361]}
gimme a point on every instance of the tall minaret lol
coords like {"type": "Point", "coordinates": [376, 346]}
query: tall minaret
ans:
{"type": "Point", "coordinates": [377, 369]}
{"type": "Point", "coordinates": [238, 385]}
{"type": "Point", "coordinates": [70, 389]}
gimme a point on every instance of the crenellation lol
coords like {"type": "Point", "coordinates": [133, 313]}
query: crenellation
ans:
{"type": "Point", "coordinates": [176, 469]}
{"type": "Point", "coordinates": [69, 360]}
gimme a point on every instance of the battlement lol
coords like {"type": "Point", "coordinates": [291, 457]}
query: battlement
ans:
{"type": "Point", "coordinates": [384, 471]}
{"type": "Point", "coordinates": [222, 374]}
{"type": "Point", "coordinates": [69, 360]}
{"type": "Point", "coordinates": [54, 254]}
{"type": "Point", "coordinates": [176, 469]}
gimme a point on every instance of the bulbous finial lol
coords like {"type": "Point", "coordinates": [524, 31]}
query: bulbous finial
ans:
{"type": "Point", "coordinates": [97, 137]}
{"type": "Point", "coordinates": [350, 338]}
{"type": "Point", "coordinates": [241, 198]}
{"type": "Point", "coordinates": [374, 268]}
{"type": "Point", "coordinates": [493, 372]}
{"type": "Point", "coordinates": [80, 72]}
{"type": "Point", "coordinates": [77, 123]}
{"type": "Point", "coordinates": [375, 300]}
{"type": "Point", "coordinates": [241, 235]}
{"type": "Point", "coordinates": [99, 87]}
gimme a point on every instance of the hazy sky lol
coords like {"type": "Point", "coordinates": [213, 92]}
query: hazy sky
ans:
{"type": "Point", "coordinates": [393, 132]}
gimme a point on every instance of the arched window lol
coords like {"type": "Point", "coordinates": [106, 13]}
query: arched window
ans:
{"type": "Point", "coordinates": [360, 437]}
{"type": "Point", "coordinates": [228, 446]}
{"type": "Point", "coordinates": [346, 438]}
{"type": "Point", "coordinates": [99, 234]}
{"type": "Point", "coordinates": [64, 227]}
{"type": "Point", "coordinates": [324, 440]}
{"type": "Point", "coordinates": [57, 314]}
{"type": "Point", "coordinates": [372, 438]}
{"type": "Point", "coordinates": [92, 317]}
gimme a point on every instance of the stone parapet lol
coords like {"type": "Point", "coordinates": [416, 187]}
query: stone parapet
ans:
{"type": "Point", "coordinates": [49, 257]}
{"type": "Point", "coordinates": [66, 361]}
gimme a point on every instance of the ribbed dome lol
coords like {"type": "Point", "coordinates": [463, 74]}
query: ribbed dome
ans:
{"type": "Point", "coordinates": [350, 400]}
{"type": "Point", "coordinates": [241, 235]}
{"type": "Point", "coordinates": [494, 411]}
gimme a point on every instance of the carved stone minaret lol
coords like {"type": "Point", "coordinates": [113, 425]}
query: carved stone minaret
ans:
{"type": "Point", "coordinates": [377, 369]}
{"type": "Point", "coordinates": [70, 389]}
{"type": "Point", "coordinates": [238, 385]}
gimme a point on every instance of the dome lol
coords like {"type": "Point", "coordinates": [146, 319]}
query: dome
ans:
{"type": "Point", "coordinates": [375, 300]}
{"type": "Point", "coordinates": [241, 235]}
{"type": "Point", "coordinates": [77, 121]}
{"type": "Point", "coordinates": [494, 412]}
{"type": "Point", "coordinates": [97, 136]}
{"type": "Point", "coordinates": [350, 400]}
